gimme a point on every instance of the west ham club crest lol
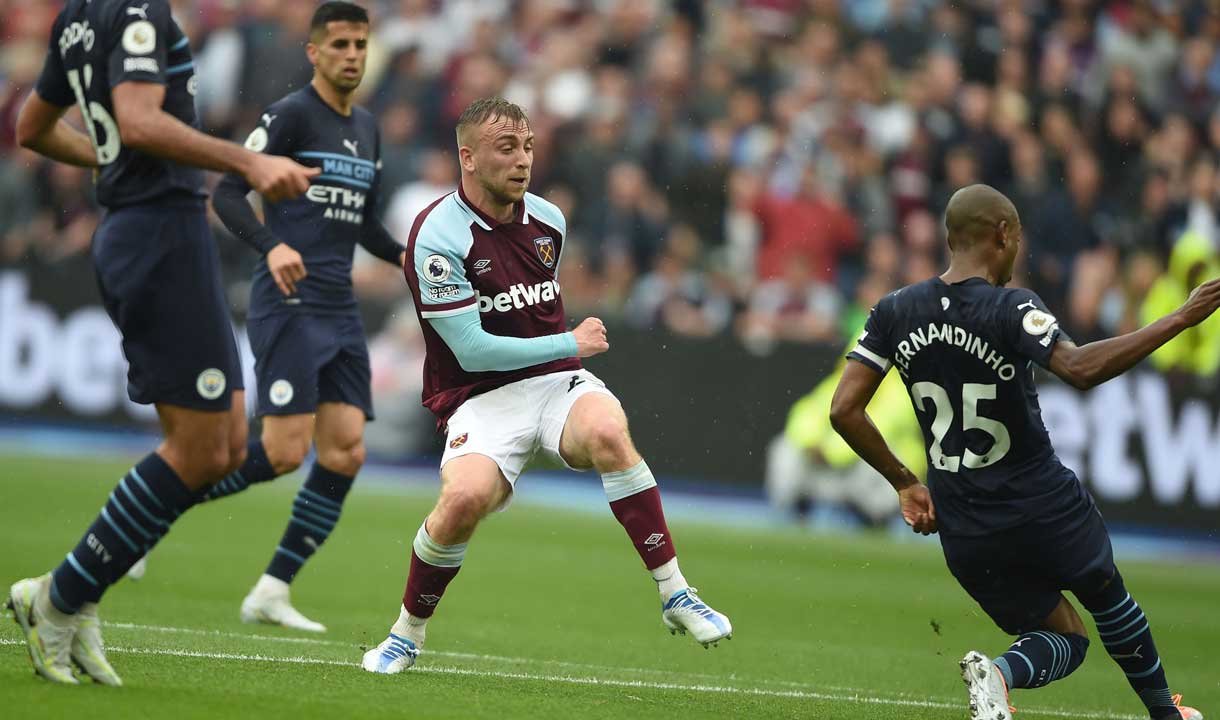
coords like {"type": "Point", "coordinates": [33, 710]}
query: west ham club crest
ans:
{"type": "Point", "coordinates": [546, 250]}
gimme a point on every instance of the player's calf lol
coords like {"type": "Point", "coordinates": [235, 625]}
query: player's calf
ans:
{"type": "Point", "coordinates": [636, 504]}
{"type": "Point", "coordinates": [1127, 636]}
{"type": "Point", "coordinates": [1041, 657]}
{"type": "Point", "coordinates": [433, 566]}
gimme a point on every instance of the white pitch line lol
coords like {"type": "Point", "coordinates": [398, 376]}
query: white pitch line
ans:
{"type": "Point", "coordinates": [601, 682]}
{"type": "Point", "coordinates": [472, 656]}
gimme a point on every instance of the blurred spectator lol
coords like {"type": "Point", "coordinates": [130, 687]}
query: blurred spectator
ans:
{"type": "Point", "coordinates": [438, 176]}
{"type": "Point", "coordinates": [807, 229]}
{"type": "Point", "coordinates": [1071, 224]}
{"type": "Point", "coordinates": [675, 295]}
{"type": "Point", "coordinates": [1197, 350]}
{"type": "Point", "coordinates": [795, 307]}
{"type": "Point", "coordinates": [1141, 44]}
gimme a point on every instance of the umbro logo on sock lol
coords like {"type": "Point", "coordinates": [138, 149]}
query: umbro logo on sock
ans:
{"type": "Point", "coordinates": [654, 540]}
{"type": "Point", "coordinates": [429, 599]}
{"type": "Point", "coordinates": [1135, 655]}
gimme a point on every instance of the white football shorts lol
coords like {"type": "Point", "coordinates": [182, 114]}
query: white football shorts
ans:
{"type": "Point", "coordinates": [519, 425]}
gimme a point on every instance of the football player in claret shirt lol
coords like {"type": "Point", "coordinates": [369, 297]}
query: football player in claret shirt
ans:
{"type": "Point", "coordinates": [128, 67]}
{"type": "Point", "coordinates": [1016, 526]}
{"type": "Point", "coordinates": [504, 378]}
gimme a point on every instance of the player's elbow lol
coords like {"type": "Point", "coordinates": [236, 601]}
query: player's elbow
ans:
{"type": "Point", "coordinates": [135, 130]}
{"type": "Point", "coordinates": [842, 415]}
{"type": "Point", "coordinates": [26, 138]}
{"type": "Point", "coordinates": [472, 362]}
{"type": "Point", "coordinates": [28, 132]}
{"type": "Point", "coordinates": [1077, 373]}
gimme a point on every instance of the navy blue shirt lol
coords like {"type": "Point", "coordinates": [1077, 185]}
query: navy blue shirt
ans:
{"type": "Point", "coordinates": [325, 223]}
{"type": "Point", "coordinates": [99, 44]}
{"type": "Point", "coordinates": [966, 353]}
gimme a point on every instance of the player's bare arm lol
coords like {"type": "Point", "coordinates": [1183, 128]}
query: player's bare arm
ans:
{"type": "Point", "coordinates": [41, 128]}
{"type": "Point", "coordinates": [1090, 365]}
{"type": "Point", "coordinates": [849, 417]}
{"type": "Point", "coordinates": [144, 126]}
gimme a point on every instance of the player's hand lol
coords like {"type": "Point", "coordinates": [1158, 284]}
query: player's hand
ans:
{"type": "Point", "coordinates": [279, 178]}
{"type": "Point", "coordinates": [917, 510]}
{"type": "Point", "coordinates": [286, 267]}
{"type": "Point", "coordinates": [590, 338]}
{"type": "Point", "coordinates": [1202, 302]}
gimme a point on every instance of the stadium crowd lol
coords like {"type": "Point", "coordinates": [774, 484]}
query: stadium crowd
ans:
{"type": "Point", "coordinates": [767, 168]}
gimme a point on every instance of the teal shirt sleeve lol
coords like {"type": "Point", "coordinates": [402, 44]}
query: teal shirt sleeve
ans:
{"type": "Point", "coordinates": [479, 351]}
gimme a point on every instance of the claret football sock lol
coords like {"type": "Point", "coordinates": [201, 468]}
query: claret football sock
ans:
{"type": "Point", "coordinates": [433, 566]}
{"type": "Point", "coordinates": [636, 504]}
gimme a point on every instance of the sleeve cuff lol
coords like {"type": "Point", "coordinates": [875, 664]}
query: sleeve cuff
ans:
{"type": "Point", "coordinates": [870, 358]}
{"type": "Point", "coordinates": [568, 341]}
{"type": "Point", "coordinates": [449, 311]}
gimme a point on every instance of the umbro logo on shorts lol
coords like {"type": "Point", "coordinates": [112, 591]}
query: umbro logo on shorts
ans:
{"type": "Point", "coordinates": [458, 441]}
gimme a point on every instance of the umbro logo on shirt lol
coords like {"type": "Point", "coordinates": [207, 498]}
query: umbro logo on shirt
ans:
{"type": "Point", "coordinates": [482, 266]}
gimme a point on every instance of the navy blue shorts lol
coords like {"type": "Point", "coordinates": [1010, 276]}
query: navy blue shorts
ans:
{"type": "Point", "coordinates": [1017, 575]}
{"type": "Point", "coordinates": [302, 359]}
{"type": "Point", "coordinates": [159, 276]}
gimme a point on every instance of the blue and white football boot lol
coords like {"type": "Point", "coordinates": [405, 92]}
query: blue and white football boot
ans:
{"type": "Point", "coordinates": [394, 655]}
{"type": "Point", "coordinates": [684, 612]}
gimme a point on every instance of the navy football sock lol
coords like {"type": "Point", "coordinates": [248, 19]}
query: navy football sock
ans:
{"type": "Point", "coordinates": [256, 469]}
{"type": "Point", "coordinates": [1127, 636]}
{"type": "Point", "coordinates": [138, 512]}
{"type": "Point", "coordinates": [1041, 657]}
{"type": "Point", "coordinates": [314, 514]}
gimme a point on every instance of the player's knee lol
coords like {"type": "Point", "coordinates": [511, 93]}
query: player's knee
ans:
{"type": "Point", "coordinates": [214, 462]}
{"type": "Point", "coordinates": [608, 441]}
{"type": "Point", "coordinates": [286, 455]}
{"type": "Point", "coordinates": [462, 507]}
{"type": "Point", "coordinates": [346, 459]}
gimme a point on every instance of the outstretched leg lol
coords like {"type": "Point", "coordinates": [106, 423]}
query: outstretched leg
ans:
{"type": "Point", "coordinates": [595, 435]}
{"type": "Point", "coordinates": [1127, 637]}
{"type": "Point", "coordinates": [280, 450]}
{"type": "Point", "coordinates": [58, 611]}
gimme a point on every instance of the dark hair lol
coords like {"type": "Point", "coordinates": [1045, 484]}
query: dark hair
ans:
{"type": "Point", "coordinates": [336, 11]}
{"type": "Point", "coordinates": [484, 109]}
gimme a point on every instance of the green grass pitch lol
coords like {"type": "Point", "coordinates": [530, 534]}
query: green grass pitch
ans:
{"type": "Point", "coordinates": [552, 617]}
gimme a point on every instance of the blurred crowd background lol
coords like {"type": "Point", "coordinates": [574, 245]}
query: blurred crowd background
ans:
{"type": "Point", "coordinates": [764, 169]}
